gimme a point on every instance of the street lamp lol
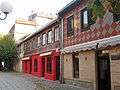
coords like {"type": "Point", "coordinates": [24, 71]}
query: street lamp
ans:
{"type": "Point", "coordinates": [5, 9]}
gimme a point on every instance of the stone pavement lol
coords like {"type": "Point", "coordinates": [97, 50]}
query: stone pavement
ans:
{"type": "Point", "coordinates": [15, 81]}
{"type": "Point", "coordinates": [19, 81]}
{"type": "Point", "coordinates": [43, 84]}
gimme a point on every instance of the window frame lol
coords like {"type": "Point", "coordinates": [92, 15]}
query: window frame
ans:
{"type": "Point", "coordinates": [43, 40]}
{"type": "Point", "coordinates": [83, 27]}
{"type": "Point", "coordinates": [38, 40]}
{"type": "Point", "coordinates": [48, 33]}
{"type": "Point", "coordinates": [70, 32]}
{"type": "Point", "coordinates": [56, 32]}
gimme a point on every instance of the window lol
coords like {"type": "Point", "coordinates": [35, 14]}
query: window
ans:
{"type": "Point", "coordinates": [49, 37]}
{"type": "Point", "coordinates": [44, 39]}
{"type": "Point", "coordinates": [35, 65]}
{"type": "Point", "coordinates": [85, 19]}
{"type": "Point", "coordinates": [30, 45]}
{"type": "Point", "coordinates": [49, 64]}
{"type": "Point", "coordinates": [75, 67]}
{"type": "Point", "coordinates": [38, 41]}
{"type": "Point", "coordinates": [33, 44]}
{"type": "Point", "coordinates": [56, 33]}
{"type": "Point", "coordinates": [70, 25]}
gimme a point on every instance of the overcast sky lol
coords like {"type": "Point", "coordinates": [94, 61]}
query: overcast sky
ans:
{"type": "Point", "coordinates": [23, 8]}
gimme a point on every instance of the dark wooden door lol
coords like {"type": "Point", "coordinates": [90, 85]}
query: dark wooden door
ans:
{"type": "Point", "coordinates": [57, 67]}
{"type": "Point", "coordinates": [43, 67]}
{"type": "Point", "coordinates": [30, 65]}
{"type": "Point", "coordinates": [104, 79]}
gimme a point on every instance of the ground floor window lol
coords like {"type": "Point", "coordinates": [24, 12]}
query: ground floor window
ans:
{"type": "Point", "coordinates": [35, 65]}
{"type": "Point", "coordinates": [75, 67]}
{"type": "Point", "coordinates": [49, 64]}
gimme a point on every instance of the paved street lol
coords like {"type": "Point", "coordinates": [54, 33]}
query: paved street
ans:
{"type": "Point", "coordinates": [19, 81]}
{"type": "Point", "coordinates": [15, 81]}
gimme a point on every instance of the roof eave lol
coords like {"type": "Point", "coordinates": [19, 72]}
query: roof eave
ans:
{"type": "Point", "coordinates": [69, 7]}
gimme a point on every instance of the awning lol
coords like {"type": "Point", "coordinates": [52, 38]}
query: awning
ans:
{"type": "Point", "coordinates": [45, 54]}
{"type": "Point", "coordinates": [26, 58]}
{"type": "Point", "coordinates": [111, 41]}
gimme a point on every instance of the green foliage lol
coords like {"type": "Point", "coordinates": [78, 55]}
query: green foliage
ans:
{"type": "Point", "coordinates": [97, 10]}
{"type": "Point", "coordinates": [8, 51]}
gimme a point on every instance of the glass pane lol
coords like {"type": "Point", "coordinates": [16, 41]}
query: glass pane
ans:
{"type": "Point", "coordinates": [44, 36]}
{"type": "Point", "coordinates": [70, 25]}
{"type": "Point", "coordinates": [85, 18]}
{"type": "Point", "coordinates": [56, 33]}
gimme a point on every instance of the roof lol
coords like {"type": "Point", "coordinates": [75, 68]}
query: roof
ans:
{"type": "Point", "coordinates": [25, 22]}
{"type": "Point", "coordinates": [40, 30]}
{"type": "Point", "coordinates": [69, 7]}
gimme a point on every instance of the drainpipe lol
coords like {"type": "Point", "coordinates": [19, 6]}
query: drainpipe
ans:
{"type": "Point", "coordinates": [61, 55]}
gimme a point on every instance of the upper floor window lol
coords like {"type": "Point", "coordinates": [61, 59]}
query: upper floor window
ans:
{"type": "Point", "coordinates": [70, 25]}
{"type": "Point", "coordinates": [56, 33]}
{"type": "Point", "coordinates": [49, 37]}
{"type": "Point", "coordinates": [43, 39]}
{"type": "Point", "coordinates": [33, 44]}
{"type": "Point", "coordinates": [38, 41]}
{"type": "Point", "coordinates": [85, 19]}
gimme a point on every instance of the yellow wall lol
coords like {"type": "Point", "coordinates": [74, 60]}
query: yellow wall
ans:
{"type": "Point", "coordinates": [86, 66]}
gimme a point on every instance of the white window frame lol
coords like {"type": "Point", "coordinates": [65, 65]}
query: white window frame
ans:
{"type": "Point", "coordinates": [49, 37]}
{"type": "Point", "coordinates": [44, 39]}
{"type": "Point", "coordinates": [39, 41]}
{"type": "Point", "coordinates": [56, 33]}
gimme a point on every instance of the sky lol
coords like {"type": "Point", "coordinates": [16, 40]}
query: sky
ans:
{"type": "Point", "coordinates": [23, 8]}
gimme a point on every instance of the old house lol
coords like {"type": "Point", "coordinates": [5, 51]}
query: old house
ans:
{"type": "Point", "coordinates": [91, 51]}
{"type": "Point", "coordinates": [42, 52]}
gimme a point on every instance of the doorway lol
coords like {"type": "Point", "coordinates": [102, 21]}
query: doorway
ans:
{"type": "Point", "coordinates": [75, 67]}
{"type": "Point", "coordinates": [43, 67]}
{"type": "Point", "coordinates": [30, 65]}
{"type": "Point", "coordinates": [103, 72]}
{"type": "Point", "coordinates": [58, 68]}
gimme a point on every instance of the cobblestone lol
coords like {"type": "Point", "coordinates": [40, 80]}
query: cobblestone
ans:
{"type": "Point", "coordinates": [19, 81]}
{"type": "Point", "coordinates": [15, 81]}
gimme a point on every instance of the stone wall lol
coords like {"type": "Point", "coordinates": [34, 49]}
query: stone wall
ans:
{"type": "Point", "coordinates": [86, 69]}
{"type": "Point", "coordinates": [115, 70]}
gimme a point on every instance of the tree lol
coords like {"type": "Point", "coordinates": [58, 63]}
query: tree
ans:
{"type": "Point", "coordinates": [8, 52]}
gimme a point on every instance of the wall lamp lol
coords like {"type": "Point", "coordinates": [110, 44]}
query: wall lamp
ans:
{"type": "Point", "coordinates": [5, 9]}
